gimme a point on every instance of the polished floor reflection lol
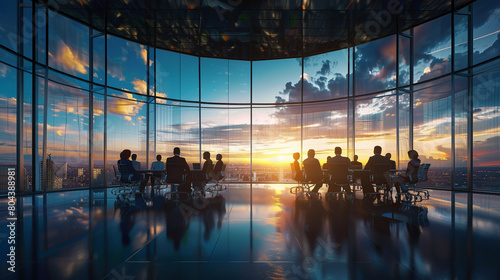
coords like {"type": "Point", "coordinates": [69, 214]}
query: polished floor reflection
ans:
{"type": "Point", "coordinates": [263, 232]}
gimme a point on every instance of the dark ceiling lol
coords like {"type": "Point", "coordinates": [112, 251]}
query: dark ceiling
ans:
{"type": "Point", "coordinates": [253, 30]}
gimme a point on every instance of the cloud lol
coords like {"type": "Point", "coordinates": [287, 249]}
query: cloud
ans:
{"type": "Point", "coordinates": [127, 105]}
{"type": "Point", "coordinates": [376, 65]}
{"type": "Point", "coordinates": [436, 68]}
{"type": "Point", "coordinates": [140, 86]}
{"type": "Point", "coordinates": [325, 68]}
{"type": "Point", "coordinates": [144, 56]}
{"type": "Point", "coordinates": [3, 70]}
{"type": "Point", "coordinates": [69, 60]}
{"type": "Point", "coordinates": [116, 70]}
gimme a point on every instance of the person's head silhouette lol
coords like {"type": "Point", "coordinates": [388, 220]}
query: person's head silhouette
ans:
{"type": "Point", "coordinates": [158, 157]}
{"type": "Point", "coordinates": [311, 153]}
{"type": "Point", "coordinates": [134, 156]}
{"type": "Point", "coordinates": [296, 156]}
{"type": "Point", "coordinates": [206, 155]}
{"type": "Point", "coordinates": [338, 150]}
{"type": "Point", "coordinates": [377, 150]}
{"type": "Point", "coordinates": [177, 151]}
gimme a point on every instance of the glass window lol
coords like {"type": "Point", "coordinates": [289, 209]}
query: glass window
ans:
{"type": "Point", "coordinates": [432, 129]}
{"type": "Point", "coordinates": [214, 80]}
{"type": "Point", "coordinates": [168, 74]}
{"type": "Point", "coordinates": [67, 162]}
{"type": "Point", "coordinates": [325, 126]}
{"type": "Point", "coordinates": [375, 125]}
{"type": "Point", "coordinates": [127, 65]}
{"type": "Point", "coordinates": [325, 76]}
{"type": "Point", "coordinates": [461, 40]}
{"type": "Point", "coordinates": [98, 139]}
{"type": "Point", "coordinates": [404, 128]}
{"type": "Point", "coordinates": [404, 60]}
{"type": "Point", "coordinates": [432, 49]}
{"type": "Point", "coordinates": [375, 66]}
{"type": "Point", "coordinates": [486, 126]}
{"type": "Point", "coordinates": [461, 115]}
{"type": "Point", "coordinates": [190, 80]}
{"type": "Point", "coordinates": [239, 81]}
{"type": "Point", "coordinates": [276, 136]}
{"type": "Point", "coordinates": [277, 81]}
{"type": "Point", "coordinates": [486, 28]}
{"type": "Point", "coordinates": [8, 25]}
{"type": "Point", "coordinates": [215, 132]}
{"type": "Point", "coordinates": [178, 126]}
{"type": "Point", "coordinates": [126, 127]}
{"type": "Point", "coordinates": [8, 122]}
{"type": "Point", "coordinates": [99, 59]}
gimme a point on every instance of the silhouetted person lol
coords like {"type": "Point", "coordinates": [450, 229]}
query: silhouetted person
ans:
{"type": "Point", "coordinates": [159, 166]}
{"type": "Point", "coordinates": [325, 165]}
{"type": "Point", "coordinates": [393, 163]}
{"type": "Point", "coordinates": [377, 158]}
{"type": "Point", "coordinates": [296, 166]}
{"type": "Point", "coordinates": [410, 175]}
{"type": "Point", "coordinates": [135, 163]}
{"type": "Point", "coordinates": [355, 164]}
{"type": "Point", "coordinates": [127, 171]}
{"type": "Point", "coordinates": [208, 166]}
{"type": "Point", "coordinates": [314, 174]}
{"type": "Point", "coordinates": [176, 167]}
{"type": "Point", "coordinates": [339, 176]}
{"type": "Point", "coordinates": [217, 173]}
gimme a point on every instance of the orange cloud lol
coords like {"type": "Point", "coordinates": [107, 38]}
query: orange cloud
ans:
{"type": "Point", "coordinates": [144, 56]}
{"type": "Point", "coordinates": [127, 105]}
{"type": "Point", "coordinates": [69, 60]}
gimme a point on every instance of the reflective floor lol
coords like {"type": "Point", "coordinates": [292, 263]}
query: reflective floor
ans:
{"type": "Point", "coordinates": [258, 233]}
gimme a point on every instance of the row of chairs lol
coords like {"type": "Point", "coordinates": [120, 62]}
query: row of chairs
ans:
{"type": "Point", "coordinates": [379, 178]}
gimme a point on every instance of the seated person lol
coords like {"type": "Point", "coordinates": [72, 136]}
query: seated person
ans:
{"type": "Point", "coordinates": [176, 167]}
{"type": "Point", "coordinates": [377, 158]}
{"type": "Point", "coordinates": [157, 165]}
{"type": "Point", "coordinates": [135, 163]}
{"type": "Point", "coordinates": [338, 159]}
{"type": "Point", "coordinates": [208, 167]}
{"type": "Point", "coordinates": [355, 164]}
{"type": "Point", "coordinates": [325, 165]}
{"type": "Point", "coordinates": [297, 176]}
{"type": "Point", "coordinates": [217, 172]}
{"type": "Point", "coordinates": [127, 171]}
{"type": "Point", "coordinates": [200, 179]}
{"type": "Point", "coordinates": [393, 163]}
{"type": "Point", "coordinates": [410, 175]}
{"type": "Point", "coordinates": [313, 170]}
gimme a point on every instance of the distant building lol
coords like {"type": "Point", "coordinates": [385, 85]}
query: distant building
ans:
{"type": "Point", "coordinates": [49, 177]}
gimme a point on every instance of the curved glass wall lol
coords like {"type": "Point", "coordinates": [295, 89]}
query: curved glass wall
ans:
{"type": "Point", "coordinates": [73, 97]}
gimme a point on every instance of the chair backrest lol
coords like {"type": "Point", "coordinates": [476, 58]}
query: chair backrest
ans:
{"type": "Point", "coordinates": [422, 172]}
{"type": "Point", "coordinates": [125, 170]}
{"type": "Point", "coordinates": [196, 166]}
{"type": "Point", "coordinates": [356, 165]}
{"type": "Point", "coordinates": [339, 172]}
{"type": "Point", "coordinates": [378, 171]}
{"type": "Point", "coordinates": [312, 175]}
{"type": "Point", "coordinates": [175, 173]}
